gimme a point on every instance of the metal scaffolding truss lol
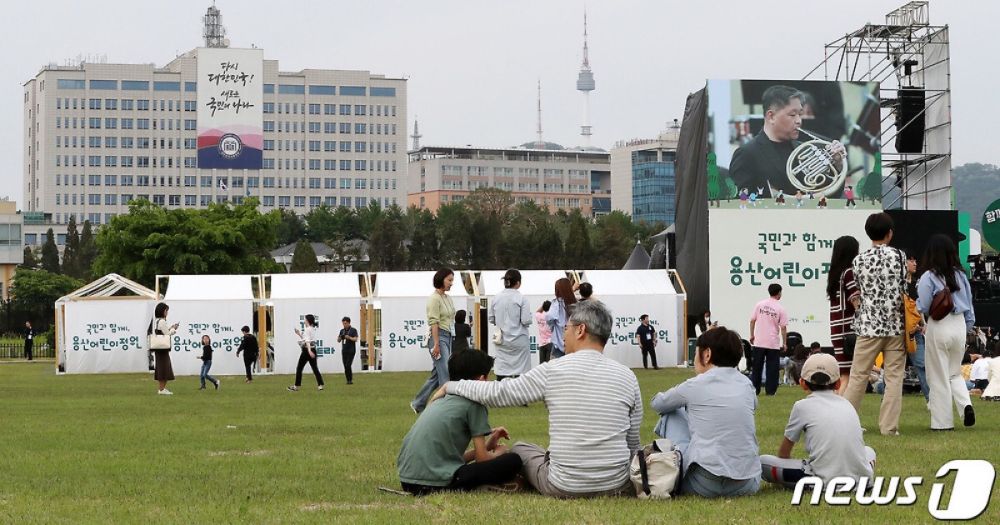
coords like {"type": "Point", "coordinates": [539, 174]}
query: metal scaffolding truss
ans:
{"type": "Point", "coordinates": [906, 52]}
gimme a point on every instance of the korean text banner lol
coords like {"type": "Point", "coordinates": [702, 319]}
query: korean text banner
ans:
{"type": "Point", "coordinates": [793, 144]}
{"type": "Point", "coordinates": [748, 250]}
{"type": "Point", "coordinates": [108, 336]}
{"type": "Point", "coordinates": [230, 112]}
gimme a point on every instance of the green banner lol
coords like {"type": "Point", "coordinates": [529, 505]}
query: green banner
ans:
{"type": "Point", "coordinates": [991, 224]}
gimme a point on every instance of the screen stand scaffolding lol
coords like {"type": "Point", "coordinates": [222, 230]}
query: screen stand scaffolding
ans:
{"type": "Point", "coordinates": [909, 58]}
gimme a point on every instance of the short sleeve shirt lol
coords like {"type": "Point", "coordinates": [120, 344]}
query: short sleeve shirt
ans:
{"type": "Point", "coordinates": [433, 449]}
{"type": "Point", "coordinates": [769, 316]}
{"type": "Point", "coordinates": [646, 335]}
{"type": "Point", "coordinates": [879, 272]}
{"type": "Point", "coordinates": [349, 346]}
{"type": "Point", "coordinates": [833, 435]}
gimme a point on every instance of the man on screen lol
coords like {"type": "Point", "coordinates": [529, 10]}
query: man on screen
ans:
{"type": "Point", "coordinates": [762, 161]}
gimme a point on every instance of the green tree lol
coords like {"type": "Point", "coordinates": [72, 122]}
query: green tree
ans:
{"type": "Point", "coordinates": [346, 253]}
{"type": "Point", "coordinates": [50, 253]}
{"type": "Point", "coordinates": [614, 238]}
{"type": "Point", "coordinates": [367, 217]}
{"type": "Point", "coordinates": [385, 246]}
{"type": "Point", "coordinates": [290, 227]}
{"type": "Point", "coordinates": [304, 258]}
{"type": "Point", "coordinates": [320, 224]}
{"type": "Point", "coordinates": [71, 251]}
{"type": "Point", "coordinates": [30, 261]}
{"type": "Point", "coordinates": [454, 235]}
{"type": "Point", "coordinates": [222, 239]}
{"type": "Point", "coordinates": [34, 293]}
{"type": "Point", "coordinates": [579, 254]}
{"type": "Point", "coordinates": [423, 252]}
{"type": "Point", "coordinates": [88, 252]}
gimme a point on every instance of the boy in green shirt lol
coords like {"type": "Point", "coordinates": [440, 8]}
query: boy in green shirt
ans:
{"type": "Point", "coordinates": [434, 455]}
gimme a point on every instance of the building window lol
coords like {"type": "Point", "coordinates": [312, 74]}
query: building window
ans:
{"type": "Point", "coordinates": [166, 86]}
{"type": "Point", "coordinates": [135, 85]}
{"type": "Point", "coordinates": [352, 91]}
{"type": "Point", "coordinates": [284, 201]}
{"type": "Point", "coordinates": [322, 90]}
{"type": "Point", "coordinates": [291, 89]}
{"type": "Point", "coordinates": [103, 84]}
{"type": "Point", "coordinates": [360, 128]}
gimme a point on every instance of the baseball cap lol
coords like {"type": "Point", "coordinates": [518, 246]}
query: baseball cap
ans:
{"type": "Point", "coordinates": [821, 363]}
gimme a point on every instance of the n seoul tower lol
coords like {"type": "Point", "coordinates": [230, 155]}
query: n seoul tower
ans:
{"type": "Point", "coordinates": [585, 84]}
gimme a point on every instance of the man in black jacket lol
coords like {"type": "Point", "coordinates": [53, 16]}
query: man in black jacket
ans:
{"type": "Point", "coordinates": [29, 340]}
{"type": "Point", "coordinates": [250, 350]}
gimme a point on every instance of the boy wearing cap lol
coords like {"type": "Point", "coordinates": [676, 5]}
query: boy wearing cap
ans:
{"type": "Point", "coordinates": [833, 432]}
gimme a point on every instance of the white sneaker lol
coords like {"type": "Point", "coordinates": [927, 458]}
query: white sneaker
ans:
{"type": "Point", "coordinates": [293, 388]}
{"type": "Point", "coordinates": [320, 387]}
{"type": "Point", "coordinates": [165, 392]}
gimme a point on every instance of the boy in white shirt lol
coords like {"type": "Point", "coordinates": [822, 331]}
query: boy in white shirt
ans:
{"type": "Point", "coordinates": [832, 432]}
{"type": "Point", "coordinates": [980, 374]}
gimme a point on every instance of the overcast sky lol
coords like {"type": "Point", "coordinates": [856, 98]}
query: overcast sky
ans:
{"type": "Point", "coordinates": [473, 65]}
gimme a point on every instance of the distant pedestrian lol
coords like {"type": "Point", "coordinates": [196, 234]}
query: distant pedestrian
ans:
{"type": "Point", "coordinates": [307, 343]}
{"type": "Point", "coordinates": [463, 332]}
{"type": "Point", "coordinates": [842, 291]}
{"type": "Point", "coordinates": [586, 291]}
{"type": "Point", "coordinates": [349, 337]}
{"type": "Point", "coordinates": [558, 315]}
{"type": "Point", "coordinates": [511, 316]}
{"type": "Point", "coordinates": [646, 336]}
{"type": "Point", "coordinates": [250, 349]}
{"type": "Point", "coordinates": [206, 362]}
{"type": "Point", "coordinates": [29, 341]}
{"type": "Point", "coordinates": [544, 333]}
{"type": "Point", "coordinates": [768, 335]}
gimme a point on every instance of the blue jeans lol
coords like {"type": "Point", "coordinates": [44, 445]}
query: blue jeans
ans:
{"type": "Point", "coordinates": [205, 367]}
{"type": "Point", "coordinates": [918, 362]}
{"type": "Point", "coordinates": [439, 374]}
{"type": "Point", "coordinates": [674, 426]}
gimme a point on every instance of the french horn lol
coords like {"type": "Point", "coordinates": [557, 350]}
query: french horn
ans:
{"type": "Point", "coordinates": [812, 168]}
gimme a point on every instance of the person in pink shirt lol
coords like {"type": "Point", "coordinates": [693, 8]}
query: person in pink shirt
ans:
{"type": "Point", "coordinates": [544, 333]}
{"type": "Point", "coordinates": [768, 333]}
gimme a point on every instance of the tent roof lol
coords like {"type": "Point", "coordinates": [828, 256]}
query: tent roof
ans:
{"type": "Point", "coordinates": [533, 282]}
{"type": "Point", "coordinates": [413, 284]}
{"type": "Point", "coordinates": [629, 282]}
{"type": "Point", "coordinates": [109, 286]}
{"type": "Point", "coordinates": [315, 286]}
{"type": "Point", "coordinates": [639, 260]}
{"type": "Point", "coordinates": [209, 287]}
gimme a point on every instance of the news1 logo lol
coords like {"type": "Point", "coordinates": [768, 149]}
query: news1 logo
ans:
{"type": "Point", "coordinates": [970, 492]}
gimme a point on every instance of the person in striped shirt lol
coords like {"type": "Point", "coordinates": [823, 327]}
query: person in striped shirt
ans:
{"type": "Point", "coordinates": [595, 410]}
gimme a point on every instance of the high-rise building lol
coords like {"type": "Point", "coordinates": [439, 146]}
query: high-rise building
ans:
{"type": "Point", "coordinates": [644, 179]}
{"type": "Point", "coordinates": [552, 177]}
{"type": "Point", "coordinates": [98, 136]}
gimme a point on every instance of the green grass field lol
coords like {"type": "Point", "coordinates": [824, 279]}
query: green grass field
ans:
{"type": "Point", "coordinates": [106, 449]}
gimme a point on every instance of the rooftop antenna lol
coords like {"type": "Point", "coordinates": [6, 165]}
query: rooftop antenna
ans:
{"type": "Point", "coordinates": [540, 143]}
{"type": "Point", "coordinates": [416, 134]}
{"type": "Point", "coordinates": [214, 33]}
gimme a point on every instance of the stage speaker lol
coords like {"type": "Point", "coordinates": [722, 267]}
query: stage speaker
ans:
{"type": "Point", "coordinates": [910, 106]}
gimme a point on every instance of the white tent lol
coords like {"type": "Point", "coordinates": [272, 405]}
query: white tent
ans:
{"type": "Point", "coordinates": [402, 299]}
{"type": "Point", "coordinates": [101, 328]}
{"type": "Point", "coordinates": [631, 293]}
{"type": "Point", "coordinates": [213, 305]}
{"type": "Point", "coordinates": [329, 297]}
{"type": "Point", "coordinates": [537, 286]}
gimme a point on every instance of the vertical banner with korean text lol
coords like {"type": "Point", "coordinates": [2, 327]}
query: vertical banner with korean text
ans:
{"type": "Point", "coordinates": [748, 250]}
{"type": "Point", "coordinates": [230, 112]}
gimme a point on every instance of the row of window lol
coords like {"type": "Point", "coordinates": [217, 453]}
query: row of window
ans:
{"type": "Point", "coordinates": [126, 142]}
{"type": "Point", "coordinates": [559, 202]}
{"type": "Point", "coordinates": [191, 181]}
{"type": "Point", "coordinates": [68, 141]}
{"type": "Point", "coordinates": [284, 89]}
{"type": "Point", "coordinates": [126, 104]}
{"type": "Point", "coordinates": [128, 161]}
{"type": "Point", "coordinates": [126, 123]}
{"type": "Point", "coordinates": [360, 128]}
{"type": "Point", "coordinates": [113, 199]}
{"type": "Point", "coordinates": [293, 108]}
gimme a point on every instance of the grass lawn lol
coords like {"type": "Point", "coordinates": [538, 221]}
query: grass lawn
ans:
{"type": "Point", "coordinates": [106, 449]}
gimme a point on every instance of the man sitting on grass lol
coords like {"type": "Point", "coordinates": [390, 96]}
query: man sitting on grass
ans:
{"type": "Point", "coordinates": [833, 432]}
{"type": "Point", "coordinates": [434, 455]}
{"type": "Point", "coordinates": [595, 410]}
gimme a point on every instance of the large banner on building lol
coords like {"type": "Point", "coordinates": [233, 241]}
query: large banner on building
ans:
{"type": "Point", "coordinates": [784, 144]}
{"type": "Point", "coordinates": [230, 108]}
{"type": "Point", "coordinates": [750, 250]}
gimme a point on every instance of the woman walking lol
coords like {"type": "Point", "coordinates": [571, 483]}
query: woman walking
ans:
{"type": "Point", "coordinates": [511, 315]}
{"type": "Point", "coordinates": [945, 337]}
{"type": "Point", "coordinates": [842, 290]}
{"type": "Point", "coordinates": [558, 315]}
{"type": "Point", "coordinates": [308, 354]}
{"type": "Point", "coordinates": [440, 316]}
{"type": "Point", "coordinates": [163, 370]}
{"type": "Point", "coordinates": [544, 333]}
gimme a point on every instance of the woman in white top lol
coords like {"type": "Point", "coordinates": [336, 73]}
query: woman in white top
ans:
{"type": "Point", "coordinates": [511, 316]}
{"type": "Point", "coordinates": [308, 354]}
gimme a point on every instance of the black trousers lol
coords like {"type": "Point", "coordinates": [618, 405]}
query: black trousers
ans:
{"type": "Point", "coordinates": [651, 352]}
{"type": "Point", "coordinates": [500, 469]}
{"type": "Point", "coordinates": [544, 353]}
{"type": "Point", "coordinates": [248, 362]}
{"type": "Point", "coordinates": [348, 356]}
{"type": "Point", "coordinates": [28, 346]}
{"type": "Point", "coordinates": [303, 359]}
{"type": "Point", "coordinates": [765, 357]}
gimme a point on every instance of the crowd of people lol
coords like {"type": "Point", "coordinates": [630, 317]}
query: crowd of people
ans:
{"type": "Point", "coordinates": [595, 407]}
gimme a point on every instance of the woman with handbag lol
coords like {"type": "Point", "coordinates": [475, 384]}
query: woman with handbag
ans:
{"type": "Point", "coordinates": [159, 333]}
{"type": "Point", "coordinates": [842, 290]}
{"type": "Point", "coordinates": [945, 297]}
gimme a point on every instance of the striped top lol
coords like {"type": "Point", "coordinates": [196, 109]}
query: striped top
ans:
{"type": "Point", "coordinates": [595, 410]}
{"type": "Point", "coordinates": [842, 316]}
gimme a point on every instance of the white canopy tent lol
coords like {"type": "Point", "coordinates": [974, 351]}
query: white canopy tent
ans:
{"type": "Point", "coordinates": [402, 299]}
{"type": "Point", "coordinates": [101, 327]}
{"type": "Point", "coordinates": [329, 297]}
{"type": "Point", "coordinates": [537, 286]}
{"type": "Point", "coordinates": [214, 305]}
{"type": "Point", "coordinates": [631, 293]}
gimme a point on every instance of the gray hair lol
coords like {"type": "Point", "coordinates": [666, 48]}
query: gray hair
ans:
{"type": "Point", "coordinates": [595, 316]}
